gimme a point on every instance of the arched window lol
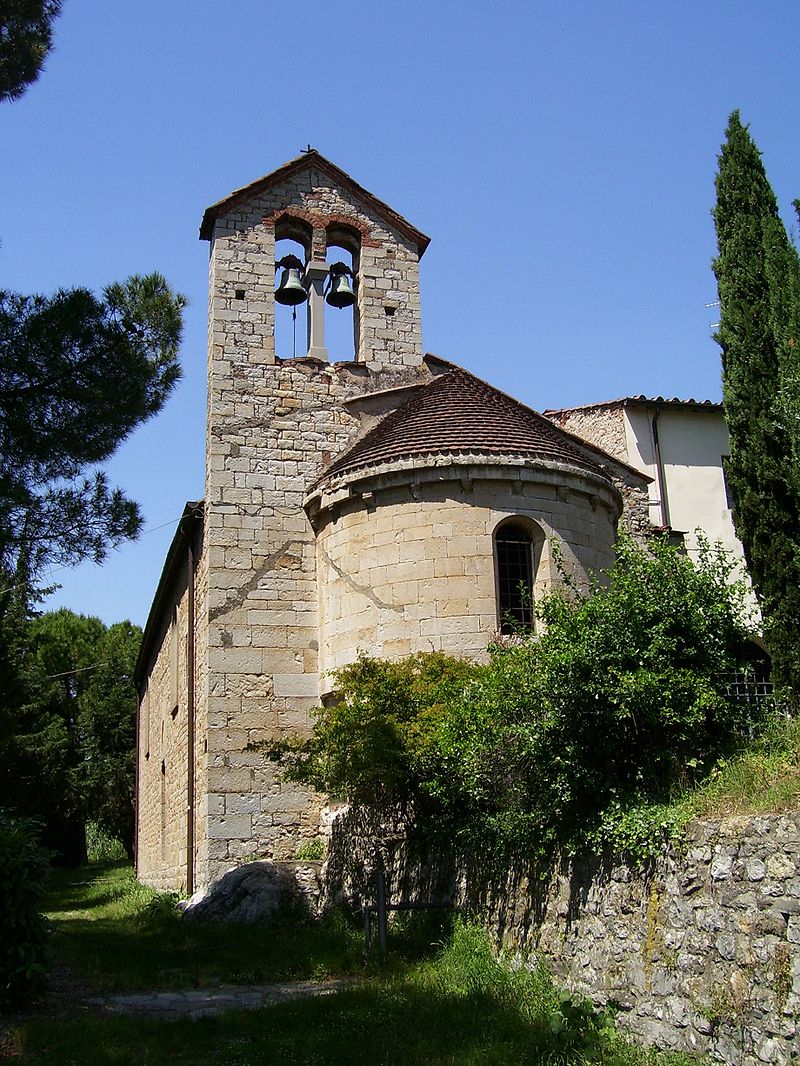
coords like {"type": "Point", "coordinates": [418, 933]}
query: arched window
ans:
{"type": "Point", "coordinates": [291, 323]}
{"type": "Point", "coordinates": [515, 569]}
{"type": "Point", "coordinates": [340, 321]}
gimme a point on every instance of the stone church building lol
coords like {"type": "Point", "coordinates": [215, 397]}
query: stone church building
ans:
{"type": "Point", "coordinates": [388, 502]}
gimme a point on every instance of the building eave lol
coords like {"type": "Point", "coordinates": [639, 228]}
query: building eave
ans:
{"type": "Point", "coordinates": [170, 574]}
{"type": "Point", "coordinates": [295, 166]}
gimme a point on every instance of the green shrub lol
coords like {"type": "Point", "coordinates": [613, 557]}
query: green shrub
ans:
{"type": "Point", "coordinates": [572, 738]}
{"type": "Point", "coordinates": [311, 850]}
{"type": "Point", "coordinates": [23, 931]}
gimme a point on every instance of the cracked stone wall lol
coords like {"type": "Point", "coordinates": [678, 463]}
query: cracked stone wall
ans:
{"type": "Point", "coordinates": [701, 952]}
{"type": "Point", "coordinates": [406, 560]}
{"type": "Point", "coordinates": [272, 426]}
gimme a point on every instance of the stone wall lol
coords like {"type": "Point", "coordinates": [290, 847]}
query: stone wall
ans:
{"type": "Point", "coordinates": [701, 951]}
{"type": "Point", "coordinates": [405, 555]}
{"type": "Point", "coordinates": [272, 426]}
{"type": "Point", "coordinates": [162, 758]}
{"type": "Point", "coordinates": [603, 426]}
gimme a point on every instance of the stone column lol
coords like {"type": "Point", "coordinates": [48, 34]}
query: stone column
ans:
{"type": "Point", "coordinates": [315, 275]}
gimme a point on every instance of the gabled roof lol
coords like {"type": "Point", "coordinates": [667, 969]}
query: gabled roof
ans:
{"type": "Point", "coordinates": [457, 413]}
{"type": "Point", "coordinates": [302, 162]}
{"type": "Point", "coordinates": [639, 401]}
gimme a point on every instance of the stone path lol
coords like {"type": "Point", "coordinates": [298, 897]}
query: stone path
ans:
{"type": "Point", "coordinates": [202, 1002]}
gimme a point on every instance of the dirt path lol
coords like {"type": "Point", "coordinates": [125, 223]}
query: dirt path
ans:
{"type": "Point", "coordinates": [201, 1002]}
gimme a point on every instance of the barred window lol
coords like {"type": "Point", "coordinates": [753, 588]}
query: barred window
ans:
{"type": "Point", "coordinates": [514, 560]}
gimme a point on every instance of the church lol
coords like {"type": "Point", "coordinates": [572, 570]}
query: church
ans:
{"type": "Point", "coordinates": [387, 502]}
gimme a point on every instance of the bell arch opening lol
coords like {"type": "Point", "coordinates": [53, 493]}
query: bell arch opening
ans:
{"type": "Point", "coordinates": [343, 244]}
{"type": "Point", "coordinates": [292, 248]}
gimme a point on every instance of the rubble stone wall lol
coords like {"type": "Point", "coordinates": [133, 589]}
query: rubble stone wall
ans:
{"type": "Point", "coordinates": [700, 952]}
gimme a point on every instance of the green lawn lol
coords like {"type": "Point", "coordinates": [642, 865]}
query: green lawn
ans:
{"type": "Point", "coordinates": [441, 998]}
{"type": "Point", "coordinates": [116, 936]}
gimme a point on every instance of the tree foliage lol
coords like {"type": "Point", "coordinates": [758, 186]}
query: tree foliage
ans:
{"type": "Point", "coordinates": [758, 276]}
{"type": "Point", "coordinates": [23, 931]}
{"type": "Point", "coordinates": [26, 37]}
{"type": "Point", "coordinates": [621, 698]}
{"type": "Point", "coordinates": [67, 745]}
{"type": "Point", "coordinates": [77, 376]}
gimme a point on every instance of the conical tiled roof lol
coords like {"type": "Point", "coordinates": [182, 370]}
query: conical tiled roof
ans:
{"type": "Point", "coordinates": [458, 413]}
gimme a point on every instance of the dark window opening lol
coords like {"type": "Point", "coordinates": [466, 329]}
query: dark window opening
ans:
{"type": "Point", "coordinates": [514, 547]}
{"type": "Point", "coordinates": [728, 497]}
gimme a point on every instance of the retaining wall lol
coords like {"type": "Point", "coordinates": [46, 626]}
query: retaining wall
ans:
{"type": "Point", "coordinates": [701, 951]}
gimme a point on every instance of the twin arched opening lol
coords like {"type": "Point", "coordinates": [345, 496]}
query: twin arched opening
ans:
{"type": "Point", "coordinates": [314, 324]}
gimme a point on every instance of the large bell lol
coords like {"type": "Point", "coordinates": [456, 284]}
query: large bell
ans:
{"type": "Point", "coordinates": [290, 289]}
{"type": "Point", "coordinates": [340, 293]}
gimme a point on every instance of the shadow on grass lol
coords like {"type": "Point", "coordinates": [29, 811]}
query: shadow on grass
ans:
{"type": "Point", "coordinates": [117, 956]}
{"type": "Point", "coordinates": [86, 888]}
{"type": "Point", "coordinates": [390, 1024]}
{"type": "Point", "coordinates": [109, 935]}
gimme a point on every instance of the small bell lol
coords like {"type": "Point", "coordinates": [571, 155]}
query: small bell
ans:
{"type": "Point", "coordinates": [290, 289]}
{"type": "Point", "coordinates": [340, 291]}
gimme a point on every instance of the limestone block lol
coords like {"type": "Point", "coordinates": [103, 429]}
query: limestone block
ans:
{"type": "Point", "coordinates": [229, 827]}
{"type": "Point", "coordinates": [296, 685]}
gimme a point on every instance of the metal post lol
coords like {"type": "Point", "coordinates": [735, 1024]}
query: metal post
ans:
{"type": "Point", "coordinates": [380, 902]}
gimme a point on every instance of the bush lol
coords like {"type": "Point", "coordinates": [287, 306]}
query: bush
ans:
{"type": "Point", "coordinates": [23, 931]}
{"type": "Point", "coordinates": [622, 700]}
{"type": "Point", "coordinates": [101, 846]}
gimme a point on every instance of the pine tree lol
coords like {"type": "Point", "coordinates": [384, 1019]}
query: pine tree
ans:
{"type": "Point", "coordinates": [758, 276]}
{"type": "Point", "coordinates": [26, 37]}
{"type": "Point", "coordinates": [77, 375]}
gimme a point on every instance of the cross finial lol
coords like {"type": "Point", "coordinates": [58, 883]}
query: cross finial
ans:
{"type": "Point", "coordinates": [307, 149]}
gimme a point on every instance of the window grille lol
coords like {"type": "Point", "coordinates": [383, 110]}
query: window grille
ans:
{"type": "Point", "coordinates": [514, 547]}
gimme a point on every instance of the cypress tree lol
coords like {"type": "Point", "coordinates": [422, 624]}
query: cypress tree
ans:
{"type": "Point", "coordinates": [758, 277]}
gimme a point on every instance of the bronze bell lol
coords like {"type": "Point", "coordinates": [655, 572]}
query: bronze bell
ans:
{"type": "Point", "coordinates": [340, 292]}
{"type": "Point", "coordinates": [290, 289]}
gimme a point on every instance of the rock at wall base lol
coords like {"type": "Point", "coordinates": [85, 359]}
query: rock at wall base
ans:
{"type": "Point", "coordinates": [251, 894]}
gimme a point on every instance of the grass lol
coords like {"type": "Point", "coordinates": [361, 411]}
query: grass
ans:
{"type": "Point", "coordinates": [442, 998]}
{"type": "Point", "coordinates": [764, 778]}
{"type": "Point", "coordinates": [116, 935]}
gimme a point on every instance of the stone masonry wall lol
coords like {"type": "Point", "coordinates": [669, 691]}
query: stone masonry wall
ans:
{"type": "Point", "coordinates": [700, 952]}
{"type": "Point", "coordinates": [272, 426]}
{"type": "Point", "coordinates": [406, 560]}
{"type": "Point", "coordinates": [163, 751]}
{"type": "Point", "coordinates": [601, 426]}
{"type": "Point", "coordinates": [162, 761]}
{"type": "Point", "coordinates": [604, 427]}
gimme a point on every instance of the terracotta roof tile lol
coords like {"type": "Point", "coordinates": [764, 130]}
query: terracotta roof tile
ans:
{"type": "Point", "coordinates": [458, 413]}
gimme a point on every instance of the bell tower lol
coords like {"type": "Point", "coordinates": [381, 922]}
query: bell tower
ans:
{"type": "Point", "coordinates": [319, 207]}
{"type": "Point", "coordinates": [273, 424]}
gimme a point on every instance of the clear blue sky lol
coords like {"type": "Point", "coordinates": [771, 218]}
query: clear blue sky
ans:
{"type": "Point", "coordinates": [560, 155]}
